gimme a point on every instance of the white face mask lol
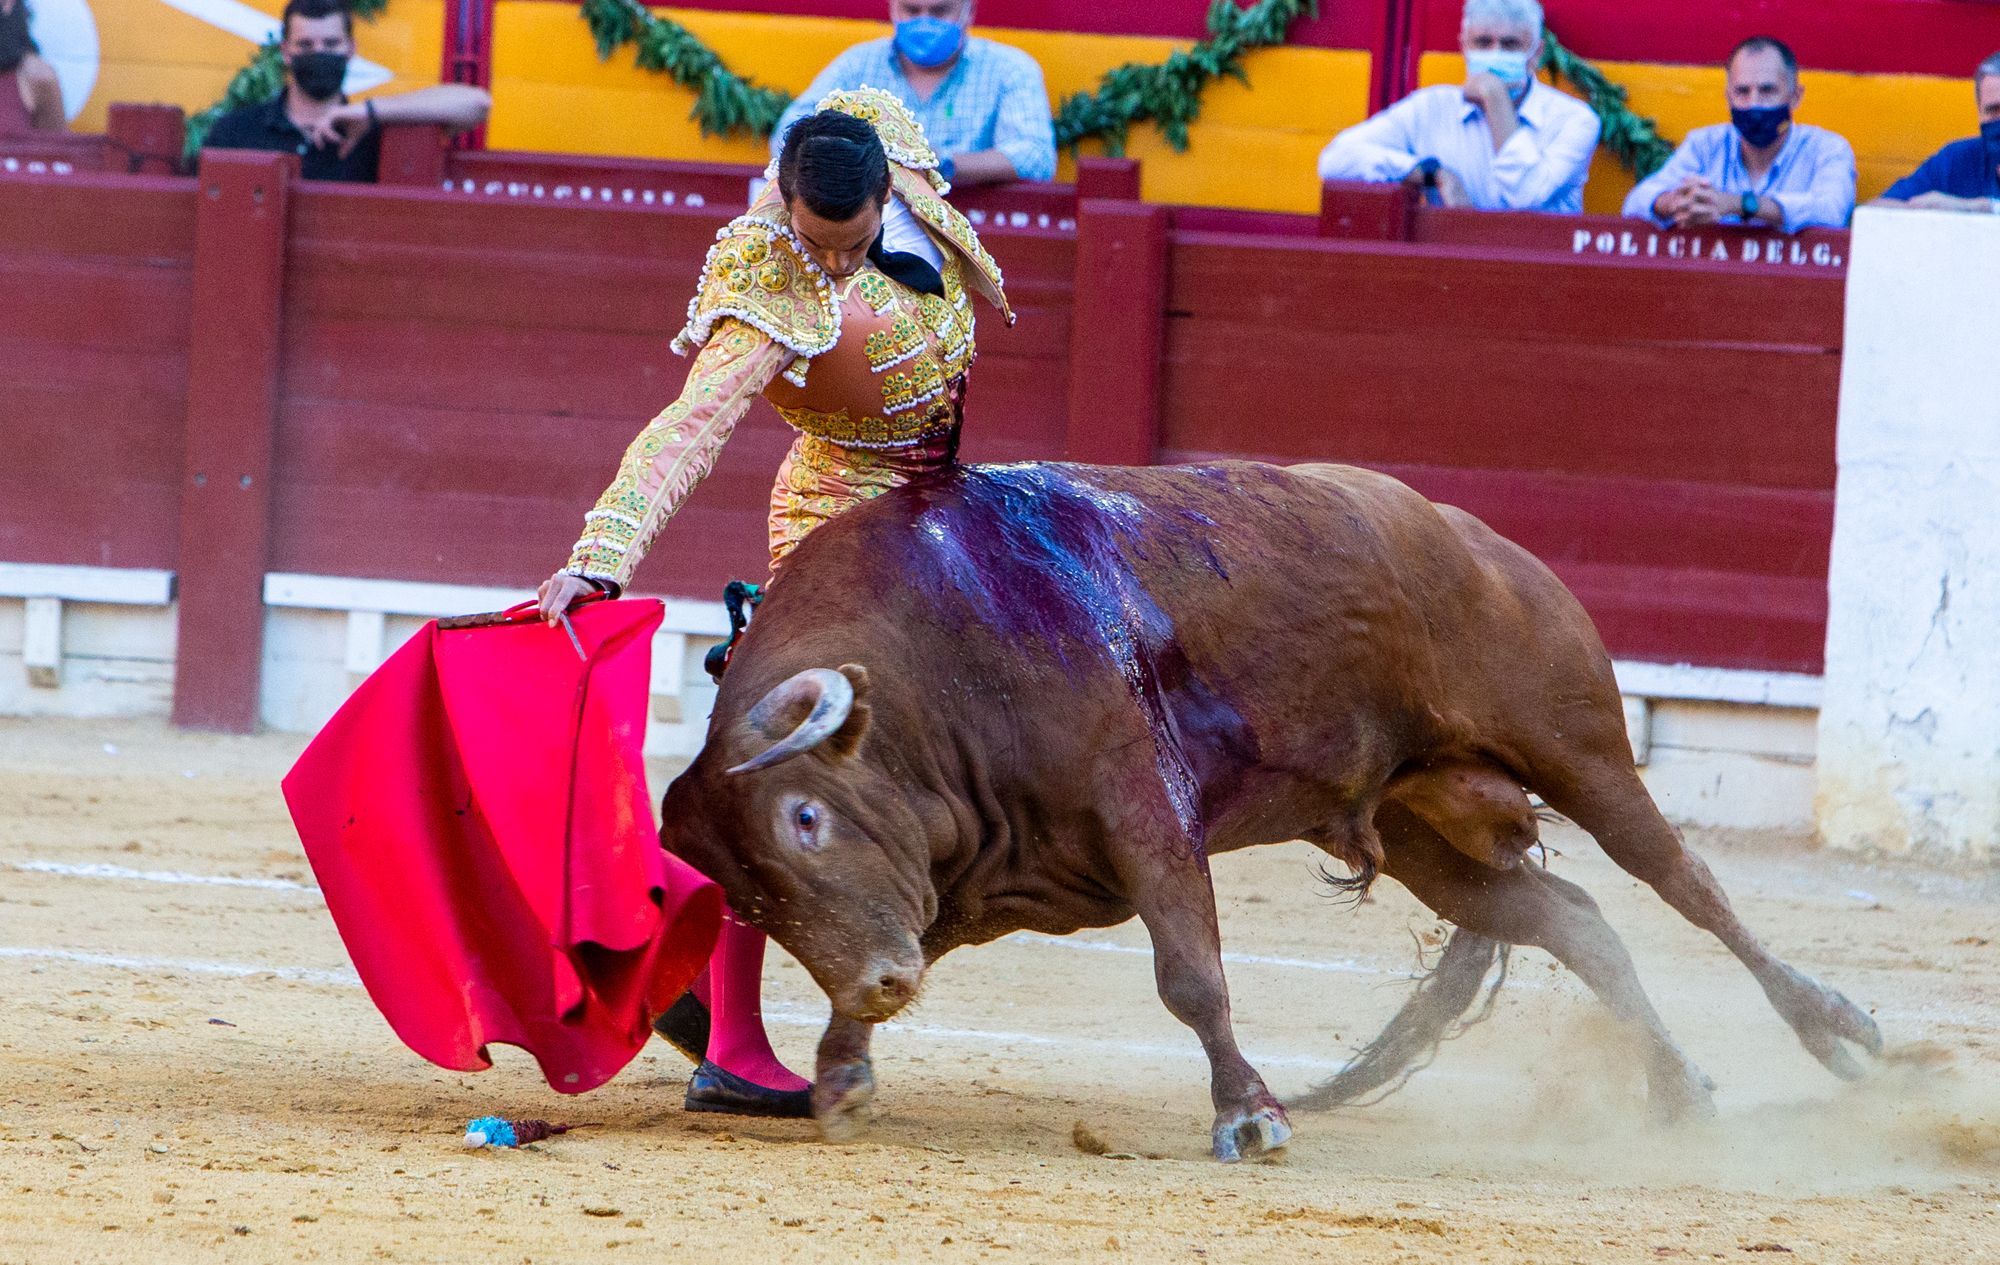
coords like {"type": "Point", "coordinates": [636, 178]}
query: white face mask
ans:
{"type": "Point", "coordinates": [1510, 68]}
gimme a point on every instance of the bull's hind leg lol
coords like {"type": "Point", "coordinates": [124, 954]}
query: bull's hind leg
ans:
{"type": "Point", "coordinates": [1168, 886]}
{"type": "Point", "coordinates": [1526, 905]}
{"type": "Point", "coordinates": [1613, 805]}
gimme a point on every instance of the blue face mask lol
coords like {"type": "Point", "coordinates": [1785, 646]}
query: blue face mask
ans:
{"type": "Point", "coordinates": [1989, 131]}
{"type": "Point", "coordinates": [1510, 68]}
{"type": "Point", "coordinates": [929, 42]}
{"type": "Point", "coordinates": [1759, 125]}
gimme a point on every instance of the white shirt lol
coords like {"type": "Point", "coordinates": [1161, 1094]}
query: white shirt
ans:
{"type": "Point", "coordinates": [902, 231]}
{"type": "Point", "coordinates": [1542, 166]}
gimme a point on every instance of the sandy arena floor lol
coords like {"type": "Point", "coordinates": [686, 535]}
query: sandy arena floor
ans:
{"type": "Point", "coordinates": [188, 1072]}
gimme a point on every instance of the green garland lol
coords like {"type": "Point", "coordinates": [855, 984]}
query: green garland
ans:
{"type": "Point", "coordinates": [260, 80]}
{"type": "Point", "coordinates": [1632, 139]}
{"type": "Point", "coordinates": [725, 102]}
{"type": "Point", "coordinates": [1170, 93]}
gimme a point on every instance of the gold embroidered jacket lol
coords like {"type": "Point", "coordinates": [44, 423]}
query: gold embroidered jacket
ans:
{"type": "Point", "coordinates": [864, 361]}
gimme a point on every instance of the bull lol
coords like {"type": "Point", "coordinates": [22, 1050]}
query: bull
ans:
{"type": "Point", "coordinates": [1041, 697]}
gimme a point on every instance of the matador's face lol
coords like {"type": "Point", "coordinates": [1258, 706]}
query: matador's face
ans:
{"type": "Point", "coordinates": [839, 247]}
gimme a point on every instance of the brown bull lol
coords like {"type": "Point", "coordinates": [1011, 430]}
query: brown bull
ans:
{"type": "Point", "coordinates": [1040, 697]}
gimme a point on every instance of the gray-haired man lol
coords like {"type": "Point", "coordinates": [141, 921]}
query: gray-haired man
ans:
{"type": "Point", "coordinates": [1501, 141]}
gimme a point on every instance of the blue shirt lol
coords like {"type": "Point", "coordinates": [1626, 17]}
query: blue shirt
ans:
{"type": "Point", "coordinates": [993, 98]}
{"type": "Point", "coordinates": [1812, 179]}
{"type": "Point", "coordinates": [1963, 169]}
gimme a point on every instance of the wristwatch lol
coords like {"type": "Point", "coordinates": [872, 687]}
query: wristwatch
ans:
{"type": "Point", "coordinates": [1749, 205]}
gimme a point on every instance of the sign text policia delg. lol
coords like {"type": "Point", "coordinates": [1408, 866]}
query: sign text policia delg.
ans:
{"type": "Point", "coordinates": [1718, 247]}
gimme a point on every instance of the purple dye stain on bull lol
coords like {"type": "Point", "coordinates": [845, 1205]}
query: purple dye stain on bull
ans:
{"type": "Point", "coordinates": [1038, 551]}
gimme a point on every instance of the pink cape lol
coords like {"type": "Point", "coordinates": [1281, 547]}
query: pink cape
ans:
{"type": "Point", "coordinates": [478, 818]}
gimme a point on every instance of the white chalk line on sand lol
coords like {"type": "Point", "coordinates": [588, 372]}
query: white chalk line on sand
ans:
{"type": "Point", "coordinates": [98, 870]}
{"type": "Point", "coordinates": [234, 970]}
{"type": "Point", "coordinates": [790, 1016]}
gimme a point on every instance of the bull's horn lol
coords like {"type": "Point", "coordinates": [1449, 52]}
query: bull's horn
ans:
{"type": "Point", "coordinates": [832, 698]}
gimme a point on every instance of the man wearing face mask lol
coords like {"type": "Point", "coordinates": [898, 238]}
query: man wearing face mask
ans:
{"type": "Point", "coordinates": [1501, 141]}
{"type": "Point", "coordinates": [983, 105]}
{"type": "Point", "coordinates": [1759, 168]}
{"type": "Point", "coordinates": [30, 95]}
{"type": "Point", "coordinates": [1964, 175]}
{"type": "Point", "coordinates": [335, 139]}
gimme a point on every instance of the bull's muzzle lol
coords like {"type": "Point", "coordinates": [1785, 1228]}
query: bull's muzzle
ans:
{"type": "Point", "coordinates": [885, 988]}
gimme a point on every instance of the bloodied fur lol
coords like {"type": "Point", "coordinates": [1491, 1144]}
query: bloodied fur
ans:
{"type": "Point", "coordinates": [1041, 697]}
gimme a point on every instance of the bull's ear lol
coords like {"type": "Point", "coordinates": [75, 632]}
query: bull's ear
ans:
{"type": "Point", "coordinates": [847, 739]}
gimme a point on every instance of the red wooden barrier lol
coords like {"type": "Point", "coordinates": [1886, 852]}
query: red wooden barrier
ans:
{"type": "Point", "coordinates": [233, 345]}
{"type": "Point", "coordinates": [437, 385]}
{"type": "Point", "coordinates": [95, 280]}
{"type": "Point", "coordinates": [1119, 322]}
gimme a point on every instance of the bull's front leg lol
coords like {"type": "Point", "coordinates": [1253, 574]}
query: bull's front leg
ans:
{"type": "Point", "coordinates": [1171, 891]}
{"type": "Point", "coordinates": [843, 1080]}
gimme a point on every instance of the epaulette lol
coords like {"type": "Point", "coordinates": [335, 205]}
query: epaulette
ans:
{"type": "Point", "coordinates": [759, 273]}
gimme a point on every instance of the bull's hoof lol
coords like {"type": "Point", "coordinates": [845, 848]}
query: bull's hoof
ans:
{"type": "Point", "coordinates": [1245, 1135]}
{"type": "Point", "coordinates": [1679, 1091]}
{"type": "Point", "coordinates": [1826, 1022]}
{"type": "Point", "coordinates": [842, 1099]}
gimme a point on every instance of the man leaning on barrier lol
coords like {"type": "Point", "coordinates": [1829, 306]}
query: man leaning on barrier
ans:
{"type": "Point", "coordinates": [983, 105]}
{"type": "Point", "coordinates": [1501, 141]}
{"type": "Point", "coordinates": [1964, 175]}
{"type": "Point", "coordinates": [336, 139]}
{"type": "Point", "coordinates": [1761, 167]}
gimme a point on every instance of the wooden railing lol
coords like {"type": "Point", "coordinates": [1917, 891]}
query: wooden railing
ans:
{"type": "Point", "coordinates": [243, 373]}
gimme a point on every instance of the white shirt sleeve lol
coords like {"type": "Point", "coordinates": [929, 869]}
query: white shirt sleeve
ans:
{"type": "Point", "coordinates": [1382, 148]}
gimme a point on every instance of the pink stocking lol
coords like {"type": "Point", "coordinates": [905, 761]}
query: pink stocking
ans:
{"type": "Point", "coordinates": [736, 1040]}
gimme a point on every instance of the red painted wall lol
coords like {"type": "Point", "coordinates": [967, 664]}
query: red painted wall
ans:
{"type": "Point", "coordinates": [458, 374]}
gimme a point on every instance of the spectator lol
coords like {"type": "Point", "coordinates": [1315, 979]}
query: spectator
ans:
{"type": "Point", "coordinates": [30, 97]}
{"type": "Point", "coordinates": [1964, 175]}
{"type": "Point", "coordinates": [1501, 141]}
{"type": "Point", "coordinates": [336, 139]}
{"type": "Point", "coordinates": [982, 104]}
{"type": "Point", "coordinates": [1760, 167]}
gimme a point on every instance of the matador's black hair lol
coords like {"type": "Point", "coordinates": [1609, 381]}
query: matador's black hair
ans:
{"type": "Point", "coordinates": [835, 163]}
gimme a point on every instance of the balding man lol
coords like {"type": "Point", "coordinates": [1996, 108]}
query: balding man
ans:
{"type": "Point", "coordinates": [1501, 141]}
{"type": "Point", "coordinates": [1964, 175]}
{"type": "Point", "coordinates": [1760, 167]}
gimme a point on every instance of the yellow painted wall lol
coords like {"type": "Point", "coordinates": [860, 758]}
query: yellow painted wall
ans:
{"type": "Point", "coordinates": [1253, 148]}
{"type": "Point", "coordinates": [153, 54]}
{"type": "Point", "coordinates": [1894, 122]}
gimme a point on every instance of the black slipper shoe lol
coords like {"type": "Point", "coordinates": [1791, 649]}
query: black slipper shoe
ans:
{"type": "Point", "coordinates": [713, 1089]}
{"type": "Point", "coordinates": [684, 1026]}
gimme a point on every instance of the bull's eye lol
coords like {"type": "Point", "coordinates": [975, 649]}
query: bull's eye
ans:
{"type": "Point", "coordinates": [807, 817]}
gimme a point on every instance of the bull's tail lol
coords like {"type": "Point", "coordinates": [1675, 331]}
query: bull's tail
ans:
{"type": "Point", "coordinates": [1434, 1014]}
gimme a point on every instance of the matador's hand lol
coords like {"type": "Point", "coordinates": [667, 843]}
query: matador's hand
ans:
{"type": "Point", "coordinates": [560, 592]}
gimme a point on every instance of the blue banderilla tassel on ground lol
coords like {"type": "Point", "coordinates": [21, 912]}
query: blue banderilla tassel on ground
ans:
{"type": "Point", "coordinates": [496, 1131]}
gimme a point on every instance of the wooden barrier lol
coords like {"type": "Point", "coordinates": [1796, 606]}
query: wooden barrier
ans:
{"type": "Point", "coordinates": [424, 385]}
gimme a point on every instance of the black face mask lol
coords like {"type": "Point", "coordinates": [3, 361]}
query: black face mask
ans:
{"type": "Point", "coordinates": [15, 43]}
{"type": "Point", "coordinates": [1759, 125]}
{"type": "Point", "coordinates": [319, 75]}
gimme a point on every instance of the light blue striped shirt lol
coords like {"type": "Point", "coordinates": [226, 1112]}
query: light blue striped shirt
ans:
{"type": "Point", "coordinates": [993, 98]}
{"type": "Point", "coordinates": [1811, 180]}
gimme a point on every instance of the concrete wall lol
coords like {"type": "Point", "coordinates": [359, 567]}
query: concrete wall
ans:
{"type": "Point", "coordinates": [1718, 748]}
{"type": "Point", "coordinates": [1909, 737]}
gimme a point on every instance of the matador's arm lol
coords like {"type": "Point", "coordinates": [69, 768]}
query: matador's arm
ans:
{"type": "Point", "coordinates": [675, 451]}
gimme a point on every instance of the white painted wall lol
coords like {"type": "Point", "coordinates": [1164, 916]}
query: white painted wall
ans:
{"type": "Point", "coordinates": [1909, 730]}
{"type": "Point", "coordinates": [1717, 748]}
